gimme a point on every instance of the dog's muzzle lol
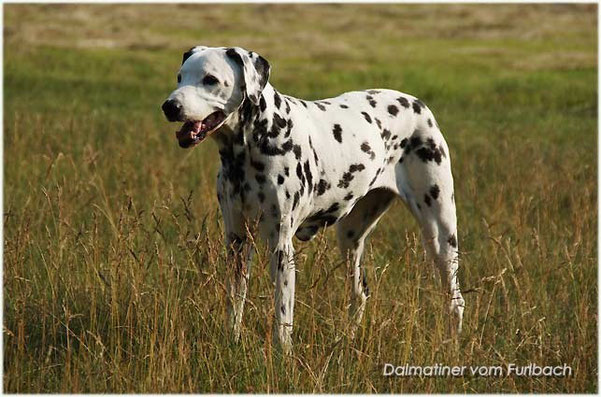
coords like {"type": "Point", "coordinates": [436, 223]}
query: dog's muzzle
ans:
{"type": "Point", "coordinates": [194, 131]}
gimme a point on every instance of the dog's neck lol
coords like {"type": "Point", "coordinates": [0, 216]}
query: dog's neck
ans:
{"type": "Point", "coordinates": [246, 125]}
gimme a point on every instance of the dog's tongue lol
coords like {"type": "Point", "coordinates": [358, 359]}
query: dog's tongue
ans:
{"type": "Point", "coordinates": [187, 134]}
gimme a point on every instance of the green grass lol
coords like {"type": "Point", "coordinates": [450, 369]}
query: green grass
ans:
{"type": "Point", "coordinates": [114, 267]}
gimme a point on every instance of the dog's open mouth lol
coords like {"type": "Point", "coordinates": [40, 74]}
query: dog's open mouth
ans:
{"type": "Point", "coordinates": [193, 132]}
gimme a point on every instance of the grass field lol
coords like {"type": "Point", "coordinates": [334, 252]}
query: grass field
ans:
{"type": "Point", "coordinates": [114, 268]}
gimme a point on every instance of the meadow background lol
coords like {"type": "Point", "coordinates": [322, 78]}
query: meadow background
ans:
{"type": "Point", "coordinates": [114, 269]}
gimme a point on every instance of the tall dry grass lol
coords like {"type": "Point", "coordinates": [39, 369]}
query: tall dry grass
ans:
{"type": "Point", "coordinates": [114, 267]}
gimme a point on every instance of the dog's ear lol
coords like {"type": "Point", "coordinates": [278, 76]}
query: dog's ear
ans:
{"type": "Point", "coordinates": [192, 51]}
{"type": "Point", "coordinates": [255, 71]}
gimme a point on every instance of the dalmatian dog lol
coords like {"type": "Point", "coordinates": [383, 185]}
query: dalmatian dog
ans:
{"type": "Point", "coordinates": [290, 167]}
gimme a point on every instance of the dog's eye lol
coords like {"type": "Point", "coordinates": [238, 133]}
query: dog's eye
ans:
{"type": "Point", "coordinates": [210, 80]}
{"type": "Point", "coordinates": [179, 78]}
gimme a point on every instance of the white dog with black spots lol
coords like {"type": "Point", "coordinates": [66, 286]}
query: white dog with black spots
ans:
{"type": "Point", "coordinates": [290, 167]}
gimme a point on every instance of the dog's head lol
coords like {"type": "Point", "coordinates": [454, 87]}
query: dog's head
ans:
{"type": "Point", "coordinates": [212, 83]}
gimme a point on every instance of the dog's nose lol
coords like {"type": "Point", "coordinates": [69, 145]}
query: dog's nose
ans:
{"type": "Point", "coordinates": [172, 110]}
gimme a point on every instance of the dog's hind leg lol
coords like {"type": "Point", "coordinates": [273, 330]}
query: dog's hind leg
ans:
{"type": "Point", "coordinates": [425, 183]}
{"type": "Point", "coordinates": [352, 230]}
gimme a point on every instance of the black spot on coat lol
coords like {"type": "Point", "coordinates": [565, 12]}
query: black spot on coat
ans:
{"type": "Point", "coordinates": [273, 150]}
{"type": "Point", "coordinates": [403, 101]}
{"type": "Point", "coordinates": [367, 117]}
{"type": "Point", "coordinates": [297, 151]}
{"type": "Point", "coordinates": [371, 101]}
{"type": "Point", "coordinates": [277, 101]}
{"type": "Point", "coordinates": [279, 254]}
{"type": "Point", "coordinates": [416, 142]}
{"type": "Point", "coordinates": [417, 106]}
{"type": "Point", "coordinates": [356, 167]}
{"type": "Point", "coordinates": [289, 125]}
{"type": "Point", "coordinates": [367, 149]}
{"type": "Point", "coordinates": [287, 146]}
{"type": "Point", "coordinates": [347, 177]}
{"type": "Point", "coordinates": [299, 173]}
{"type": "Point", "coordinates": [279, 121]}
{"type": "Point", "coordinates": [308, 175]}
{"type": "Point", "coordinates": [262, 104]}
{"type": "Point", "coordinates": [452, 241]}
{"type": "Point", "coordinates": [434, 191]}
{"type": "Point", "coordinates": [427, 200]}
{"type": "Point", "coordinates": [337, 132]}
{"type": "Point", "coordinates": [322, 186]}
{"type": "Point", "coordinates": [429, 154]}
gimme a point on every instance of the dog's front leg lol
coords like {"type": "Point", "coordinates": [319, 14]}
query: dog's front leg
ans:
{"type": "Point", "coordinates": [283, 274]}
{"type": "Point", "coordinates": [240, 257]}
